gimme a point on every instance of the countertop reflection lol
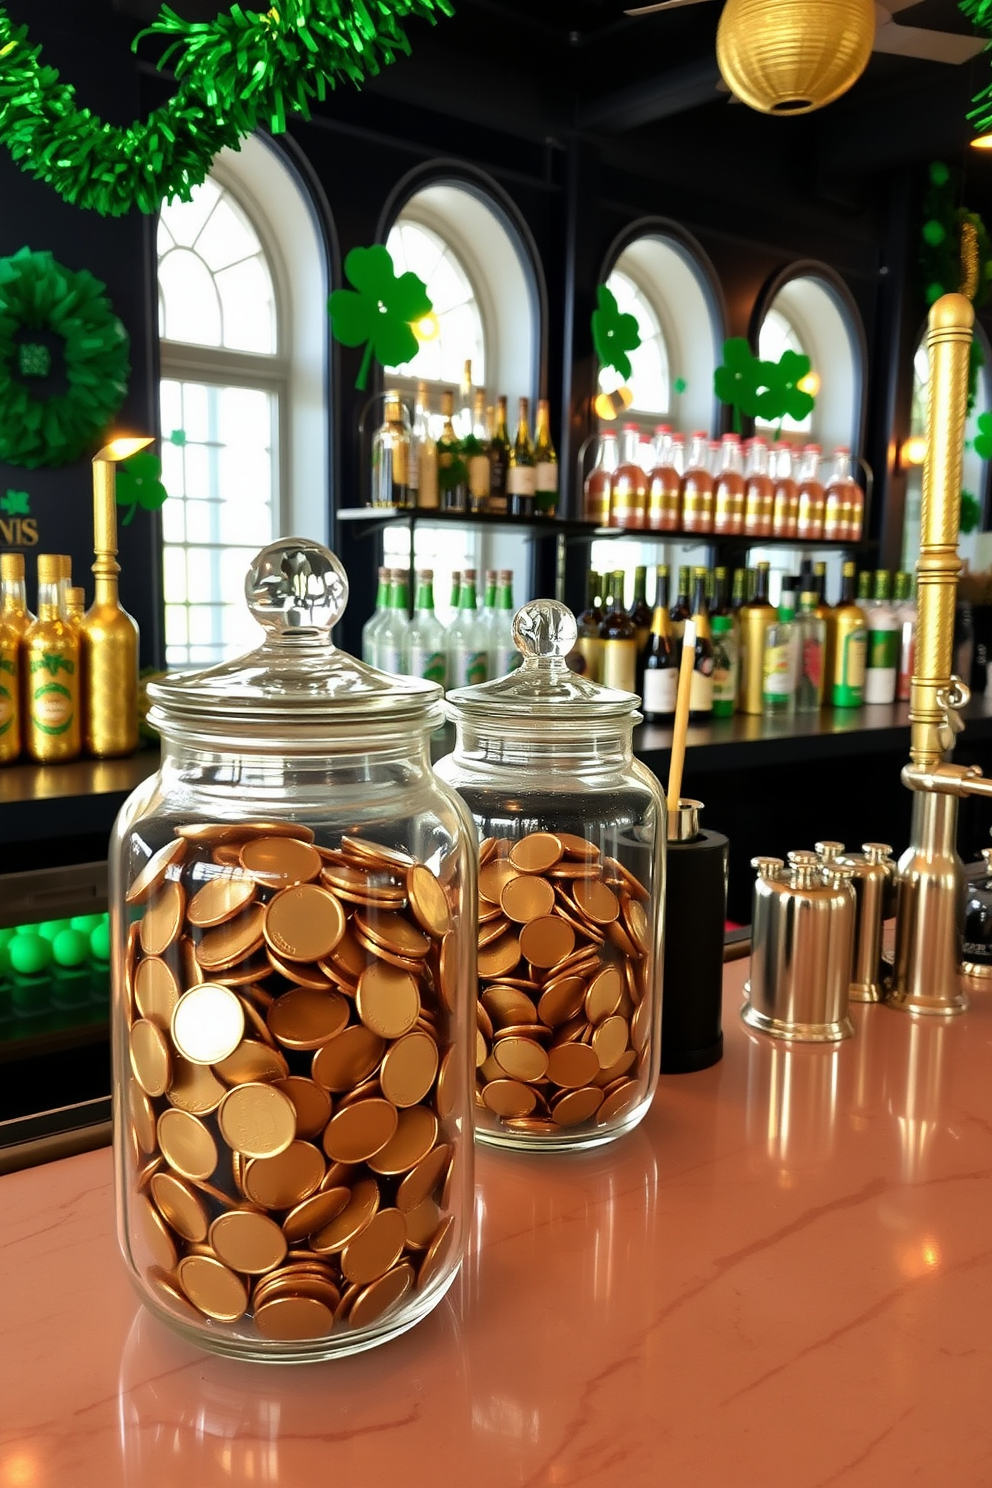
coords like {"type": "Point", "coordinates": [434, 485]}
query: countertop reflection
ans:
{"type": "Point", "coordinates": [783, 1277]}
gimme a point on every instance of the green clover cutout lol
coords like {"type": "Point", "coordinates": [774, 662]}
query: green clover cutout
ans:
{"type": "Point", "coordinates": [178, 436]}
{"type": "Point", "coordinates": [971, 512]}
{"type": "Point", "coordinates": [139, 483]}
{"type": "Point", "coordinates": [16, 504]}
{"type": "Point", "coordinates": [784, 397]}
{"type": "Point", "coordinates": [33, 359]}
{"type": "Point", "coordinates": [613, 334]}
{"type": "Point", "coordinates": [380, 311]}
{"type": "Point", "coordinates": [982, 443]}
{"type": "Point", "coordinates": [679, 385]}
{"type": "Point", "coordinates": [740, 381]}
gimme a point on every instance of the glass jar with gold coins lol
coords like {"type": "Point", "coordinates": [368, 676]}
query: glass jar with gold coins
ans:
{"type": "Point", "coordinates": [293, 920]}
{"type": "Point", "coordinates": [572, 833]}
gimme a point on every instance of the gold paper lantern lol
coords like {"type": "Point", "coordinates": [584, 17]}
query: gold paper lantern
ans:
{"type": "Point", "coordinates": [793, 56]}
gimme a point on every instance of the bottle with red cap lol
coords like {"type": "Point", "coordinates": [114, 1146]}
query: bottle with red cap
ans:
{"type": "Point", "coordinates": [629, 487]}
{"type": "Point", "coordinates": [758, 491]}
{"type": "Point", "coordinates": [728, 496]}
{"type": "Point", "coordinates": [596, 491]}
{"type": "Point", "coordinates": [697, 487]}
{"type": "Point", "coordinates": [785, 492]}
{"type": "Point", "coordinates": [663, 484]}
{"type": "Point", "coordinates": [811, 494]}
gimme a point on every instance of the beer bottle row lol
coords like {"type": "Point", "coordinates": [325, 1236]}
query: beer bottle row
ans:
{"type": "Point", "coordinates": [477, 643]}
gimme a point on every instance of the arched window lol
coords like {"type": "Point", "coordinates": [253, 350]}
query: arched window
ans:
{"type": "Point", "coordinates": [650, 381]}
{"type": "Point", "coordinates": [461, 337]}
{"type": "Point", "coordinates": [778, 335]}
{"type": "Point", "coordinates": [811, 313]}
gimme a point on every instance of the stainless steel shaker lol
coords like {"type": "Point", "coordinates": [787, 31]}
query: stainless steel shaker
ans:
{"type": "Point", "coordinates": [873, 879]}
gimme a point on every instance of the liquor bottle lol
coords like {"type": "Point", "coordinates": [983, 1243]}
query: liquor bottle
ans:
{"type": "Point", "coordinates": [14, 612]}
{"type": "Point", "coordinates": [739, 591]}
{"type": "Point", "coordinates": [504, 657]}
{"type": "Point", "coordinates": [596, 491]}
{"type": "Point", "coordinates": [423, 455]}
{"type": "Point", "coordinates": [864, 588]}
{"type": "Point", "coordinates": [426, 644]}
{"type": "Point", "coordinates": [586, 656]}
{"type": "Point", "coordinates": [660, 659]}
{"type": "Point", "coordinates": [811, 495]}
{"type": "Point", "coordinates": [108, 638]}
{"type": "Point", "coordinates": [392, 637]}
{"type": "Point", "coordinates": [75, 605]}
{"type": "Point", "coordinates": [545, 465]}
{"type": "Point", "coordinates": [475, 452]}
{"type": "Point", "coordinates": [640, 610]}
{"type": "Point", "coordinates": [701, 690]}
{"type": "Point", "coordinates": [849, 646]}
{"type": "Point", "coordinates": [812, 647]}
{"type": "Point", "coordinates": [664, 485]}
{"type": "Point", "coordinates": [629, 487]}
{"type": "Point", "coordinates": [785, 492]}
{"type": "Point", "coordinates": [714, 458]}
{"type": "Point", "coordinates": [10, 693]}
{"type": "Point", "coordinates": [521, 477]}
{"type": "Point", "coordinates": [463, 418]}
{"type": "Point", "coordinates": [856, 517]}
{"type": "Point", "coordinates": [838, 498]}
{"type": "Point", "coordinates": [906, 616]}
{"type": "Point", "coordinates": [50, 656]}
{"type": "Point", "coordinates": [377, 619]}
{"type": "Point", "coordinates": [499, 460]}
{"type": "Point", "coordinates": [883, 645]}
{"type": "Point", "coordinates": [391, 458]}
{"type": "Point", "coordinates": [456, 592]}
{"type": "Point", "coordinates": [65, 582]}
{"type": "Point", "coordinates": [681, 610]}
{"type": "Point", "coordinates": [488, 611]}
{"type": "Point", "coordinates": [755, 617]}
{"type": "Point", "coordinates": [725, 666]}
{"type": "Point", "coordinates": [759, 492]}
{"type": "Point", "coordinates": [721, 593]}
{"type": "Point", "coordinates": [697, 487]}
{"type": "Point", "coordinates": [468, 659]}
{"type": "Point", "coordinates": [619, 639]}
{"type": "Point", "coordinates": [778, 692]}
{"type": "Point", "coordinates": [728, 496]}
{"type": "Point", "coordinates": [452, 476]}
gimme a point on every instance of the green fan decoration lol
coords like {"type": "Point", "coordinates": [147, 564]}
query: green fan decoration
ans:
{"type": "Point", "coordinates": [39, 294]}
{"type": "Point", "coordinates": [139, 483]}
{"type": "Point", "coordinates": [614, 334]}
{"type": "Point", "coordinates": [380, 312]}
{"type": "Point", "coordinates": [235, 73]}
{"type": "Point", "coordinates": [756, 389]}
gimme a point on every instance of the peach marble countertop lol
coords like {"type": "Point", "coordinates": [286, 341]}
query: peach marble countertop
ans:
{"type": "Point", "coordinates": [783, 1277]}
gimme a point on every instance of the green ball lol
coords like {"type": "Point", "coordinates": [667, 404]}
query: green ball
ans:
{"type": "Point", "coordinates": [50, 928]}
{"type": "Point", "coordinates": [6, 936]}
{"type": "Point", "coordinates": [30, 953]}
{"type": "Point", "coordinates": [71, 947]}
{"type": "Point", "coordinates": [934, 232]}
{"type": "Point", "coordinates": [4, 960]}
{"type": "Point", "coordinates": [86, 923]}
{"type": "Point", "coordinates": [934, 292]}
{"type": "Point", "coordinates": [100, 941]}
{"type": "Point", "coordinates": [939, 174]}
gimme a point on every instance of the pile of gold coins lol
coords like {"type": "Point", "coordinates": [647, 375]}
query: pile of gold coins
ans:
{"type": "Point", "coordinates": [565, 1014]}
{"type": "Point", "coordinates": [295, 1085]}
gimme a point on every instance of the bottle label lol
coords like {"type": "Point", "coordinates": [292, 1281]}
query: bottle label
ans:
{"type": "Point", "coordinates": [8, 709]}
{"type": "Point", "coordinates": [478, 475]}
{"type": "Point", "coordinates": [53, 708]}
{"type": "Point", "coordinates": [701, 690]}
{"type": "Point", "coordinates": [620, 665]}
{"type": "Point", "coordinates": [778, 670]}
{"type": "Point", "coordinates": [468, 668]}
{"type": "Point", "coordinates": [883, 649]}
{"type": "Point", "coordinates": [545, 476]}
{"type": "Point", "coordinates": [497, 475]}
{"type": "Point", "coordinates": [855, 658]}
{"type": "Point", "coordinates": [427, 480]}
{"type": "Point", "coordinates": [660, 689]}
{"type": "Point", "coordinates": [813, 661]}
{"type": "Point", "coordinates": [520, 480]}
{"type": "Point", "coordinates": [506, 659]}
{"type": "Point", "coordinates": [724, 671]}
{"type": "Point", "coordinates": [389, 658]}
{"type": "Point", "coordinates": [429, 664]}
{"type": "Point", "coordinates": [588, 650]}
{"type": "Point", "coordinates": [413, 472]}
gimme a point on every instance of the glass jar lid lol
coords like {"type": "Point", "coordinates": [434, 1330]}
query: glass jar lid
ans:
{"type": "Point", "coordinates": [544, 686]}
{"type": "Point", "coordinates": [297, 682]}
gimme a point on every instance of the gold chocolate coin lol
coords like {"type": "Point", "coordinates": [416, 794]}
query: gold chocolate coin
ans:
{"type": "Point", "coordinates": [303, 973]}
{"type": "Point", "coordinates": [252, 1060]}
{"type": "Point", "coordinates": [257, 1120]}
{"type": "Point", "coordinates": [153, 873]}
{"type": "Point", "coordinates": [211, 1287]}
{"type": "Point", "coordinates": [500, 957]}
{"type": "Point", "coordinates": [293, 1319]}
{"type": "Point", "coordinates": [493, 929]}
{"type": "Point", "coordinates": [422, 1180]}
{"type": "Point", "coordinates": [304, 923]}
{"type": "Point", "coordinates": [169, 1295]}
{"type": "Point", "coordinates": [348, 1059]}
{"type": "Point", "coordinates": [509, 1098]}
{"type": "Point", "coordinates": [388, 1000]}
{"type": "Point", "coordinates": [347, 960]}
{"type": "Point", "coordinates": [154, 1232]}
{"type": "Point", "coordinates": [603, 994]}
{"type": "Point", "coordinates": [150, 1057]}
{"type": "Point", "coordinates": [638, 925]}
{"type": "Point", "coordinates": [640, 1026]}
{"type": "Point", "coordinates": [315, 1213]}
{"type": "Point", "coordinates": [353, 1219]}
{"type": "Point", "coordinates": [494, 877]}
{"type": "Point", "coordinates": [546, 941]}
{"type": "Point", "coordinates": [220, 899]}
{"type": "Point", "coordinates": [428, 901]}
{"type": "Point", "coordinates": [436, 1258]}
{"type": "Point", "coordinates": [521, 1059]}
{"type": "Point", "coordinates": [162, 919]}
{"type": "Point", "coordinates": [415, 1135]}
{"type": "Point", "coordinates": [619, 1103]}
{"type": "Point", "coordinates": [379, 1296]}
{"type": "Point", "coordinates": [195, 1087]}
{"type": "Point", "coordinates": [186, 1144]}
{"type": "Point", "coordinates": [248, 1242]}
{"type": "Point", "coordinates": [313, 1104]}
{"type": "Point", "coordinates": [408, 1069]}
{"type": "Point", "coordinates": [536, 853]}
{"type": "Point", "coordinates": [282, 1181]}
{"type": "Point", "coordinates": [577, 1106]}
{"type": "Point", "coordinates": [233, 941]}
{"type": "Point", "coordinates": [277, 861]}
{"type": "Point", "coordinates": [376, 1249]}
{"type": "Point", "coordinates": [142, 1117]}
{"type": "Point", "coordinates": [508, 1004]}
{"type": "Point", "coordinates": [527, 898]}
{"type": "Point", "coordinates": [561, 999]}
{"type": "Point", "coordinates": [374, 852]}
{"type": "Point", "coordinates": [614, 1072]}
{"type": "Point", "coordinates": [597, 902]}
{"type": "Point", "coordinates": [357, 1132]}
{"type": "Point", "coordinates": [421, 1224]}
{"type": "Point", "coordinates": [156, 991]}
{"type": "Point", "coordinates": [208, 1023]}
{"type": "Point", "coordinates": [448, 1082]}
{"type": "Point", "coordinates": [393, 933]}
{"type": "Point", "coordinates": [180, 1206]}
{"type": "Point", "coordinates": [610, 1041]}
{"type": "Point", "coordinates": [304, 1019]}
{"type": "Point", "coordinates": [571, 1065]}
{"type": "Point", "coordinates": [577, 847]}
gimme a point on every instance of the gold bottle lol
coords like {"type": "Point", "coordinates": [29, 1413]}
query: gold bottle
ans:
{"type": "Point", "coordinates": [50, 656]}
{"type": "Point", "coordinates": [848, 646]}
{"type": "Point", "coordinates": [14, 611]}
{"type": "Point", "coordinates": [75, 605]}
{"type": "Point", "coordinates": [109, 635]}
{"type": "Point", "coordinates": [10, 694]}
{"type": "Point", "coordinates": [755, 617]}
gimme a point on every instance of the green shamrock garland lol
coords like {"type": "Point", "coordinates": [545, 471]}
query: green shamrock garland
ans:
{"type": "Point", "coordinates": [237, 72]}
{"type": "Point", "coordinates": [955, 254]}
{"type": "Point", "coordinates": [766, 390]}
{"type": "Point", "coordinates": [39, 294]}
{"type": "Point", "coordinates": [614, 335]}
{"type": "Point", "coordinates": [971, 512]}
{"type": "Point", "coordinates": [380, 311]}
{"type": "Point", "coordinates": [979, 12]}
{"type": "Point", "coordinates": [139, 483]}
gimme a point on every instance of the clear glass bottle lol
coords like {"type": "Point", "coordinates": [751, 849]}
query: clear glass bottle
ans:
{"type": "Point", "coordinates": [883, 644]}
{"type": "Point", "coordinates": [664, 484]}
{"type": "Point", "coordinates": [503, 656]}
{"type": "Point", "coordinates": [838, 512]}
{"type": "Point", "coordinates": [427, 654]}
{"type": "Point", "coordinates": [521, 475]}
{"type": "Point", "coordinates": [377, 619]}
{"type": "Point", "coordinates": [596, 491]}
{"type": "Point", "coordinates": [391, 640]}
{"type": "Point", "coordinates": [906, 616]}
{"type": "Point", "coordinates": [697, 487]}
{"type": "Point", "coordinates": [468, 643]}
{"type": "Point", "coordinates": [545, 464]}
{"type": "Point", "coordinates": [812, 636]}
{"type": "Point", "coordinates": [785, 492]}
{"type": "Point", "coordinates": [629, 486]}
{"type": "Point", "coordinates": [728, 496]}
{"type": "Point", "coordinates": [725, 668]}
{"type": "Point", "coordinates": [452, 472]}
{"type": "Point", "coordinates": [572, 833]}
{"type": "Point", "coordinates": [292, 903]}
{"type": "Point", "coordinates": [778, 693]}
{"type": "Point", "coordinates": [812, 500]}
{"type": "Point", "coordinates": [391, 457]}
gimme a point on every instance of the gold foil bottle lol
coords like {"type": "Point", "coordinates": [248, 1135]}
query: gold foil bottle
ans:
{"type": "Point", "coordinates": [75, 605]}
{"type": "Point", "coordinates": [14, 611]}
{"type": "Point", "coordinates": [755, 618]}
{"type": "Point", "coordinates": [50, 657]}
{"type": "Point", "coordinates": [109, 635]}
{"type": "Point", "coordinates": [10, 694]}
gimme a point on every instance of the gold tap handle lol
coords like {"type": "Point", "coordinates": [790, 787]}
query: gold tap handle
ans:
{"type": "Point", "coordinates": [948, 345]}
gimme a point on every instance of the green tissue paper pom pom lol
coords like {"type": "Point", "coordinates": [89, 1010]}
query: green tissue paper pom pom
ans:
{"type": "Point", "coordinates": [71, 948]}
{"type": "Point", "coordinates": [4, 960]}
{"type": "Point", "coordinates": [30, 953]}
{"type": "Point", "coordinates": [6, 936]}
{"type": "Point", "coordinates": [934, 292]}
{"type": "Point", "coordinates": [87, 923]}
{"type": "Point", "coordinates": [49, 929]}
{"type": "Point", "coordinates": [939, 174]}
{"type": "Point", "coordinates": [934, 232]}
{"type": "Point", "coordinates": [100, 942]}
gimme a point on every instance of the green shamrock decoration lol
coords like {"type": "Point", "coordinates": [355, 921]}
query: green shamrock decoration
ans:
{"type": "Point", "coordinates": [33, 359]}
{"type": "Point", "coordinates": [613, 334]}
{"type": "Point", "coordinates": [380, 311]}
{"type": "Point", "coordinates": [139, 483]}
{"type": "Point", "coordinates": [679, 385]}
{"type": "Point", "coordinates": [178, 436]}
{"type": "Point", "coordinates": [783, 397]}
{"type": "Point", "coordinates": [982, 444]}
{"type": "Point", "coordinates": [971, 512]}
{"type": "Point", "coordinates": [769, 390]}
{"type": "Point", "coordinates": [16, 504]}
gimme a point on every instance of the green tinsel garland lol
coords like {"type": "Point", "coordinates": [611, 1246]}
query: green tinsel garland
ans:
{"type": "Point", "coordinates": [946, 263]}
{"type": "Point", "coordinates": [979, 12]}
{"type": "Point", "coordinates": [38, 294]}
{"type": "Point", "coordinates": [235, 73]}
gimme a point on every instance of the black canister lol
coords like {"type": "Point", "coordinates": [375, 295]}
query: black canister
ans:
{"type": "Point", "coordinates": [695, 915]}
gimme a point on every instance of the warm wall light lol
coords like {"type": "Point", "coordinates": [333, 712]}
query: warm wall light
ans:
{"type": "Point", "coordinates": [809, 384]}
{"type": "Point", "coordinates": [428, 328]}
{"type": "Point", "coordinates": [609, 406]}
{"type": "Point", "coordinates": [981, 142]}
{"type": "Point", "coordinates": [912, 451]}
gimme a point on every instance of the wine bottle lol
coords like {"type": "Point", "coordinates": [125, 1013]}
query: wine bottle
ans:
{"type": "Point", "coordinates": [499, 460]}
{"type": "Point", "coordinates": [755, 617]}
{"type": "Point", "coordinates": [619, 640]}
{"type": "Point", "coordinates": [660, 661]}
{"type": "Point", "coordinates": [475, 451]}
{"type": "Point", "coordinates": [426, 646]}
{"type": "Point", "coordinates": [521, 477]}
{"type": "Point", "coordinates": [452, 476]}
{"type": "Point", "coordinates": [596, 491]}
{"type": "Point", "coordinates": [391, 459]}
{"type": "Point", "coordinates": [848, 646]}
{"type": "Point", "coordinates": [586, 657]}
{"type": "Point", "coordinates": [545, 465]}
{"type": "Point", "coordinates": [681, 610]}
{"type": "Point", "coordinates": [701, 691]}
{"type": "Point", "coordinates": [640, 610]}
